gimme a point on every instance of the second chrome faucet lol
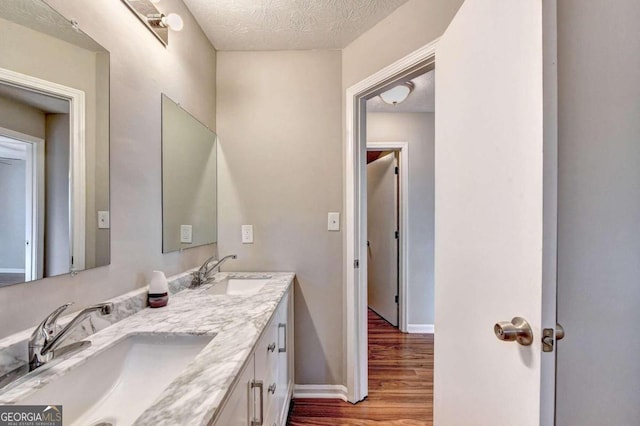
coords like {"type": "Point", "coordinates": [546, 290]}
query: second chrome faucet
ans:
{"type": "Point", "coordinates": [201, 276]}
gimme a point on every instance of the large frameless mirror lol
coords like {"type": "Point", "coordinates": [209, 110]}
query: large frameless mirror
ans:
{"type": "Point", "coordinates": [189, 180]}
{"type": "Point", "coordinates": [54, 145]}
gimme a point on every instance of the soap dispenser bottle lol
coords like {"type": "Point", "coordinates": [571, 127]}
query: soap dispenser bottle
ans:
{"type": "Point", "coordinates": [158, 290]}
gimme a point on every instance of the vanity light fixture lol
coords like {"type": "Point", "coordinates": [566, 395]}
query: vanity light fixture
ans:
{"type": "Point", "coordinates": [172, 21]}
{"type": "Point", "coordinates": [397, 94]}
{"type": "Point", "coordinates": [157, 22]}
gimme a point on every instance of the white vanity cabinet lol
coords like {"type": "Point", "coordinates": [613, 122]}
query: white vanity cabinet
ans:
{"type": "Point", "coordinates": [263, 391]}
{"type": "Point", "coordinates": [238, 410]}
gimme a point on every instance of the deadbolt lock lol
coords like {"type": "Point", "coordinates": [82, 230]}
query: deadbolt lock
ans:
{"type": "Point", "coordinates": [547, 337]}
{"type": "Point", "coordinates": [517, 330]}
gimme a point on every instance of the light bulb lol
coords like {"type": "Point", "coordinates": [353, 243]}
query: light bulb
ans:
{"type": "Point", "coordinates": [173, 21]}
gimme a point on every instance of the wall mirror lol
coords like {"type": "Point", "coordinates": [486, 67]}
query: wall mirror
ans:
{"type": "Point", "coordinates": [189, 180]}
{"type": "Point", "coordinates": [54, 145]}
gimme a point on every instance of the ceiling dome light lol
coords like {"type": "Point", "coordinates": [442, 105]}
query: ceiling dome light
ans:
{"type": "Point", "coordinates": [397, 94]}
{"type": "Point", "coordinates": [173, 21]}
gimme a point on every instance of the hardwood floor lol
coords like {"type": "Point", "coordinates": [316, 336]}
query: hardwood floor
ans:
{"type": "Point", "coordinates": [400, 384]}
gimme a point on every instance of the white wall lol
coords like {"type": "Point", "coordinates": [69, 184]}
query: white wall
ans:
{"type": "Point", "coordinates": [141, 68]}
{"type": "Point", "coordinates": [418, 130]}
{"type": "Point", "coordinates": [598, 376]}
{"type": "Point", "coordinates": [279, 121]}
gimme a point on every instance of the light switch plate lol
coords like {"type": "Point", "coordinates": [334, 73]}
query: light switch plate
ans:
{"type": "Point", "coordinates": [103, 220]}
{"type": "Point", "coordinates": [247, 234]}
{"type": "Point", "coordinates": [333, 221]}
{"type": "Point", "coordinates": [186, 234]}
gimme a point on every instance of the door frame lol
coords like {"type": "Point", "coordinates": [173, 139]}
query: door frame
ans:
{"type": "Point", "coordinates": [77, 172]}
{"type": "Point", "coordinates": [355, 259]}
{"type": "Point", "coordinates": [403, 219]}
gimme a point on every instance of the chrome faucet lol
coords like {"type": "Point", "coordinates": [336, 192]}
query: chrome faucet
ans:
{"type": "Point", "coordinates": [202, 275]}
{"type": "Point", "coordinates": [45, 338]}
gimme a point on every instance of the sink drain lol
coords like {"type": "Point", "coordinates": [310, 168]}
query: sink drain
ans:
{"type": "Point", "coordinates": [105, 422]}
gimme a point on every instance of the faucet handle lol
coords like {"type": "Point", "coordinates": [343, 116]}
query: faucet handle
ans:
{"type": "Point", "coordinates": [50, 322]}
{"type": "Point", "coordinates": [47, 328]}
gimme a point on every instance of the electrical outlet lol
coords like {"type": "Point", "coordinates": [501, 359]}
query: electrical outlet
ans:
{"type": "Point", "coordinates": [247, 234]}
{"type": "Point", "coordinates": [186, 234]}
{"type": "Point", "coordinates": [103, 220]}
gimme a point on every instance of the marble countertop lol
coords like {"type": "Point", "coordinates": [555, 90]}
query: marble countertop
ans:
{"type": "Point", "coordinates": [237, 321]}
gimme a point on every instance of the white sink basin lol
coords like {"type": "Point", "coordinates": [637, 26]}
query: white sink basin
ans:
{"type": "Point", "coordinates": [117, 385]}
{"type": "Point", "coordinates": [239, 286]}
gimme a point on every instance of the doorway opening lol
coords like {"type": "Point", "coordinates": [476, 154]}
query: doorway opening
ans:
{"type": "Point", "coordinates": [20, 186]}
{"type": "Point", "coordinates": [383, 234]}
{"type": "Point", "coordinates": [356, 260]}
{"type": "Point", "coordinates": [388, 231]}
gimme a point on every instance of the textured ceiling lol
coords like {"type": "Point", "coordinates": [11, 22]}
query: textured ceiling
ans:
{"type": "Point", "coordinates": [421, 99]}
{"type": "Point", "coordinates": [287, 24]}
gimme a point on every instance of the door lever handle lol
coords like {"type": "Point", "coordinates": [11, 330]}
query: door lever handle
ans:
{"type": "Point", "coordinates": [517, 330]}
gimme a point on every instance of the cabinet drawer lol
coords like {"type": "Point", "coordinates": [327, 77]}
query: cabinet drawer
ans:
{"type": "Point", "coordinates": [266, 358]}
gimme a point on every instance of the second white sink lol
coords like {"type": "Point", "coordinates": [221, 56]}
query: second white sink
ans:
{"type": "Point", "coordinates": [239, 286]}
{"type": "Point", "coordinates": [117, 385]}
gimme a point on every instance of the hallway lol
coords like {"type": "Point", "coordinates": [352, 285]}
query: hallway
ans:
{"type": "Point", "coordinates": [400, 384]}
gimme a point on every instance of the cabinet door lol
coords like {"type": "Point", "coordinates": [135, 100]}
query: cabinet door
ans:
{"type": "Point", "coordinates": [266, 355]}
{"type": "Point", "coordinates": [238, 410]}
{"type": "Point", "coordinates": [285, 357]}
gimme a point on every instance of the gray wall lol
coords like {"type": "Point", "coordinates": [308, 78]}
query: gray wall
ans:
{"type": "Point", "coordinates": [411, 26]}
{"type": "Point", "coordinates": [12, 214]}
{"type": "Point", "coordinates": [418, 130]}
{"type": "Point", "coordinates": [280, 170]}
{"type": "Point", "coordinates": [57, 238]}
{"type": "Point", "coordinates": [598, 376]}
{"type": "Point", "coordinates": [21, 118]}
{"type": "Point", "coordinates": [280, 117]}
{"type": "Point", "coordinates": [141, 69]}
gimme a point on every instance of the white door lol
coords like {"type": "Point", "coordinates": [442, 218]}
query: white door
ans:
{"type": "Point", "coordinates": [382, 224]}
{"type": "Point", "coordinates": [495, 212]}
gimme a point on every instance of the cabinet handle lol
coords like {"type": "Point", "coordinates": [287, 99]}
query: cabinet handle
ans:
{"type": "Point", "coordinates": [272, 389]}
{"type": "Point", "coordinates": [284, 326]}
{"type": "Point", "coordinates": [271, 347]}
{"type": "Point", "coordinates": [259, 384]}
